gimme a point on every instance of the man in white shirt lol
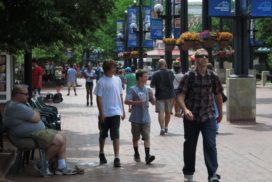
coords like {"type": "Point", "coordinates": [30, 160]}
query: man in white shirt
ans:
{"type": "Point", "coordinates": [110, 105]}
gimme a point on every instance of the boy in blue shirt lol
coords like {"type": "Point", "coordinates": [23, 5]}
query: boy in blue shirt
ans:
{"type": "Point", "coordinates": [138, 96]}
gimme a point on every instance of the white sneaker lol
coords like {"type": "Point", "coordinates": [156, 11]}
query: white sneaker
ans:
{"type": "Point", "coordinates": [188, 178]}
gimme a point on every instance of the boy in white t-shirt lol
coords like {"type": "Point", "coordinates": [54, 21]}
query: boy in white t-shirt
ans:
{"type": "Point", "coordinates": [110, 105]}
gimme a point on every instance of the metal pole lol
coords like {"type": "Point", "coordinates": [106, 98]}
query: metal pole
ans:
{"type": "Point", "coordinates": [241, 43]}
{"type": "Point", "coordinates": [168, 32]}
{"type": "Point", "coordinates": [28, 70]}
{"type": "Point", "coordinates": [126, 39]}
{"type": "Point", "coordinates": [184, 28]}
{"type": "Point", "coordinates": [207, 24]}
{"type": "Point", "coordinates": [141, 35]}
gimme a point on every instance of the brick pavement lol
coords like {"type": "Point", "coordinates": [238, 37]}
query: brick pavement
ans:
{"type": "Point", "coordinates": [244, 151]}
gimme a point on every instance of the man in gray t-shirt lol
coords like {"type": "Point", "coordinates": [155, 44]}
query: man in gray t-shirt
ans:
{"type": "Point", "coordinates": [22, 121]}
{"type": "Point", "coordinates": [138, 96]}
{"type": "Point", "coordinates": [18, 118]}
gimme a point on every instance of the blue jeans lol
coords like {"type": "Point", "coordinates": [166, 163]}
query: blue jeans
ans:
{"type": "Point", "coordinates": [191, 133]}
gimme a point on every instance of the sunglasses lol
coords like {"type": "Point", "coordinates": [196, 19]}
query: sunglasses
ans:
{"type": "Point", "coordinates": [202, 56]}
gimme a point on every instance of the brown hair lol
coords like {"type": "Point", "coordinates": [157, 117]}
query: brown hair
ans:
{"type": "Point", "coordinates": [107, 65]}
{"type": "Point", "coordinates": [140, 73]}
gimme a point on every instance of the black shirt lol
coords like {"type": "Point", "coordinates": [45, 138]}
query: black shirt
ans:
{"type": "Point", "coordinates": [162, 80]}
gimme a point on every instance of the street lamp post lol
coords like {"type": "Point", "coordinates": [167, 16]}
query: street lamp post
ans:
{"type": "Point", "coordinates": [184, 28]}
{"type": "Point", "coordinates": [140, 35]}
{"type": "Point", "coordinates": [168, 27]}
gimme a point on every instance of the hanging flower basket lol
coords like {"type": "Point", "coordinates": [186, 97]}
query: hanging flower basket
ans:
{"type": "Point", "coordinates": [169, 47]}
{"type": "Point", "coordinates": [224, 43]}
{"type": "Point", "coordinates": [197, 45]}
{"type": "Point", "coordinates": [209, 43]}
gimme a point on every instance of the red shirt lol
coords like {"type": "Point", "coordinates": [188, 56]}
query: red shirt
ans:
{"type": "Point", "coordinates": [38, 71]}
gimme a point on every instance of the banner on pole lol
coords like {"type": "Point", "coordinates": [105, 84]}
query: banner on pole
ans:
{"type": "Point", "coordinates": [120, 47]}
{"type": "Point", "coordinates": [132, 35]}
{"type": "Point", "coordinates": [177, 26]}
{"type": "Point", "coordinates": [148, 42]}
{"type": "Point", "coordinates": [261, 7]}
{"type": "Point", "coordinates": [219, 7]}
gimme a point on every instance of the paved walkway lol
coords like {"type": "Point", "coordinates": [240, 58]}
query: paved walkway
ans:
{"type": "Point", "coordinates": [244, 151]}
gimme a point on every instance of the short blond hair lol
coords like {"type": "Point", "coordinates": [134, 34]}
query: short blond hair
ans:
{"type": "Point", "coordinates": [200, 51]}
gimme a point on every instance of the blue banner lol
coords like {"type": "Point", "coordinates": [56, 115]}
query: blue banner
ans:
{"type": "Point", "coordinates": [148, 42]}
{"type": "Point", "coordinates": [219, 7]}
{"type": "Point", "coordinates": [156, 29]}
{"type": "Point", "coordinates": [177, 27]}
{"type": "Point", "coordinates": [261, 7]}
{"type": "Point", "coordinates": [132, 35]}
{"type": "Point", "coordinates": [120, 35]}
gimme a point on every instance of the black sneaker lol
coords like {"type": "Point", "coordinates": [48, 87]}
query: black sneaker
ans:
{"type": "Point", "coordinates": [162, 133]}
{"type": "Point", "coordinates": [214, 178]}
{"type": "Point", "coordinates": [117, 162]}
{"type": "Point", "coordinates": [137, 158]}
{"type": "Point", "coordinates": [87, 103]}
{"type": "Point", "coordinates": [102, 158]}
{"type": "Point", "coordinates": [149, 159]}
{"type": "Point", "coordinates": [166, 130]}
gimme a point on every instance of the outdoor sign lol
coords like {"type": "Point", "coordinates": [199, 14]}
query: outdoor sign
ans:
{"type": "Point", "coordinates": [148, 42]}
{"type": "Point", "coordinates": [120, 36]}
{"type": "Point", "coordinates": [261, 7]}
{"type": "Point", "coordinates": [177, 26]}
{"type": "Point", "coordinates": [156, 29]}
{"type": "Point", "coordinates": [219, 7]}
{"type": "Point", "coordinates": [132, 35]}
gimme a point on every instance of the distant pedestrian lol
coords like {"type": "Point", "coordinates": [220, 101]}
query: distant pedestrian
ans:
{"type": "Point", "coordinates": [37, 75]}
{"type": "Point", "coordinates": [138, 96]}
{"type": "Point", "coordinates": [71, 79]}
{"type": "Point", "coordinates": [178, 75]}
{"type": "Point", "coordinates": [195, 97]}
{"type": "Point", "coordinates": [162, 81]}
{"type": "Point", "coordinates": [110, 105]}
{"type": "Point", "coordinates": [98, 72]}
{"type": "Point", "coordinates": [89, 75]}
{"type": "Point", "coordinates": [58, 77]}
{"type": "Point", "coordinates": [130, 80]}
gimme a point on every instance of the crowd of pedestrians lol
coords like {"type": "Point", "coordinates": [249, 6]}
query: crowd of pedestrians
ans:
{"type": "Point", "coordinates": [196, 96]}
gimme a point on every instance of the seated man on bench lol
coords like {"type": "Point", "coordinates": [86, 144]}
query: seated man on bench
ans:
{"type": "Point", "coordinates": [24, 122]}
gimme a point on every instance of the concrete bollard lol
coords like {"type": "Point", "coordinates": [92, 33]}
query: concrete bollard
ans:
{"type": "Point", "coordinates": [264, 77]}
{"type": "Point", "coordinates": [228, 73]}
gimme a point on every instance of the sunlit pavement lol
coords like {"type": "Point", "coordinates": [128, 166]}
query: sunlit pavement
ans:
{"type": "Point", "coordinates": [244, 151]}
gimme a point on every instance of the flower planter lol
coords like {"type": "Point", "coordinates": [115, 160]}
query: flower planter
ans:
{"type": "Point", "coordinates": [169, 47]}
{"type": "Point", "coordinates": [224, 43]}
{"type": "Point", "coordinates": [209, 43]}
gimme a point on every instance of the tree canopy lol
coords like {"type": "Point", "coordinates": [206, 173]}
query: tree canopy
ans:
{"type": "Point", "coordinates": [27, 24]}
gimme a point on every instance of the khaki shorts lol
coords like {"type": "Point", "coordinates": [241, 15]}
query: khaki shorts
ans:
{"type": "Point", "coordinates": [139, 129]}
{"type": "Point", "coordinates": [165, 105]}
{"type": "Point", "coordinates": [71, 84]}
{"type": "Point", "coordinates": [44, 137]}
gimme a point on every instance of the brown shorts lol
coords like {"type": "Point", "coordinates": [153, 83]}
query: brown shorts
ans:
{"type": "Point", "coordinates": [138, 129]}
{"type": "Point", "coordinates": [165, 105]}
{"type": "Point", "coordinates": [44, 137]}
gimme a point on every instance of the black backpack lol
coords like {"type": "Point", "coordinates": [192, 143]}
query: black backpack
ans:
{"type": "Point", "coordinates": [57, 98]}
{"type": "Point", "coordinates": [191, 79]}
